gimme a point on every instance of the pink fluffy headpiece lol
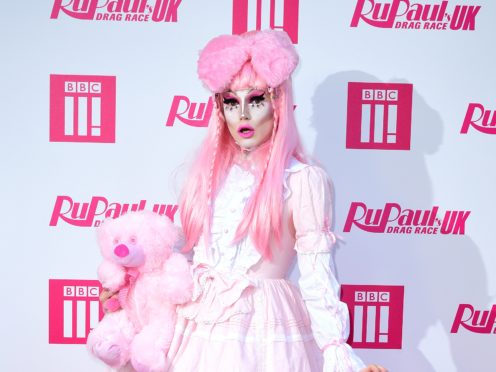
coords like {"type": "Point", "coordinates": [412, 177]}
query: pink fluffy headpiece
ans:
{"type": "Point", "coordinates": [271, 54]}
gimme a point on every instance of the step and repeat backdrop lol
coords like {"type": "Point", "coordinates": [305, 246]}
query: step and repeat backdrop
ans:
{"type": "Point", "coordinates": [102, 111]}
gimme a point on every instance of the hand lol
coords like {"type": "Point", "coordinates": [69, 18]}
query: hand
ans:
{"type": "Point", "coordinates": [109, 300]}
{"type": "Point", "coordinates": [374, 368]}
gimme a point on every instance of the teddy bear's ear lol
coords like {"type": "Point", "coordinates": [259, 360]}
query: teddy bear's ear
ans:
{"type": "Point", "coordinates": [165, 228]}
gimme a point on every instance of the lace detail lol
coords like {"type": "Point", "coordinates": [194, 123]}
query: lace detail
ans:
{"type": "Point", "coordinates": [228, 212]}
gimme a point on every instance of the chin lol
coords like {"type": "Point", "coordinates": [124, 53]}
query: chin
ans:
{"type": "Point", "coordinates": [247, 143]}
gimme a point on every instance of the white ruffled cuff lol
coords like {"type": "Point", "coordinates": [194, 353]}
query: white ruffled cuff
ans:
{"type": "Point", "coordinates": [340, 357]}
{"type": "Point", "coordinates": [329, 316]}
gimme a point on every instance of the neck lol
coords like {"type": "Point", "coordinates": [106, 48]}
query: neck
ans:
{"type": "Point", "coordinates": [253, 157]}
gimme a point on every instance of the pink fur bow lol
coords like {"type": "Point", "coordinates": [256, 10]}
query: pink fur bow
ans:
{"type": "Point", "coordinates": [271, 53]}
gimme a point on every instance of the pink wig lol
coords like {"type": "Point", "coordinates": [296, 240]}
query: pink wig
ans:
{"type": "Point", "coordinates": [270, 67]}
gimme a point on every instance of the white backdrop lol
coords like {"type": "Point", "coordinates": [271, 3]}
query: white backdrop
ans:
{"type": "Point", "coordinates": [154, 62]}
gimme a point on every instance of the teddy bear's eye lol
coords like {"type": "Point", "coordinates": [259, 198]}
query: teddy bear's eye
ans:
{"type": "Point", "coordinates": [132, 239]}
{"type": "Point", "coordinates": [116, 240]}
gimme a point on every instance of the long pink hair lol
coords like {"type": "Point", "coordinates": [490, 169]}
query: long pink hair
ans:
{"type": "Point", "coordinates": [263, 212]}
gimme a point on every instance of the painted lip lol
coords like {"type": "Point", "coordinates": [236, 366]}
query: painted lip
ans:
{"type": "Point", "coordinates": [246, 131]}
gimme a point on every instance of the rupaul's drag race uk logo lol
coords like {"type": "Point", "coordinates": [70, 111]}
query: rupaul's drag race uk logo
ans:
{"type": "Point", "coordinates": [263, 14]}
{"type": "Point", "coordinates": [403, 14]}
{"type": "Point", "coordinates": [376, 315]}
{"type": "Point", "coordinates": [393, 219]}
{"type": "Point", "coordinates": [82, 108]}
{"type": "Point", "coordinates": [195, 114]}
{"type": "Point", "coordinates": [480, 119]}
{"type": "Point", "coordinates": [74, 310]}
{"type": "Point", "coordinates": [475, 321]}
{"type": "Point", "coordinates": [118, 10]}
{"type": "Point", "coordinates": [379, 116]}
{"type": "Point", "coordinates": [92, 213]}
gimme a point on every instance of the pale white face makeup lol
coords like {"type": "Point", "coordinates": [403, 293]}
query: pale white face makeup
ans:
{"type": "Point", "coordinates": [249, 115]}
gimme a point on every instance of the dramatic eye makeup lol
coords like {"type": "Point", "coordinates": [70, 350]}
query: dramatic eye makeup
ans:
{"type": "Point", "coordinates": [229, 100]}
{"type": "Point", "coordinates": [256, 97]}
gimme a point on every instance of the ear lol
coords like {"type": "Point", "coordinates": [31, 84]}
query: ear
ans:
{"type": "Point", "coordinates": [162, 226]}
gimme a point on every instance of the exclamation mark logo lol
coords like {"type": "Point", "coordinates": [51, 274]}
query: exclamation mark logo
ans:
{"type": "Point", "coordinates": [376, 315]}
{"type": "Point", "coordinates": [74, 309]}
{"type": "Point", "coordinates": [82, 108]}
{"type": "Point", "coordinates": [263, 14]}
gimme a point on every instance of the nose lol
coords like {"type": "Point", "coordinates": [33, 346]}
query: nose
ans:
{"type": "Point", "coordinates": [245, 110]}
{"type": "Point", "coordinates": [121, 250]}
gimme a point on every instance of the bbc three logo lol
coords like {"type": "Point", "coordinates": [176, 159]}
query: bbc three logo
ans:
{"type": "Point", "coordinates": [82, 108]}
{"type": "Point", "coordinates": [74, 309]}
{"type": "Point", "coordinates": [376, 315]}
{"type": "Point", "coordinates": [379, 116]}
{"type": "Point", "coordinates": [264, 14]}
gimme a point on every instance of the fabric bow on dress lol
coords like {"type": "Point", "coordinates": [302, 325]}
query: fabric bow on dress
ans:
{"type": "Point", "coordinates": [217, 297]}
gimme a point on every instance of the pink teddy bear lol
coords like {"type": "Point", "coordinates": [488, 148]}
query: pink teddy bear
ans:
{"type": "Point", "coordinates": [151, 280]}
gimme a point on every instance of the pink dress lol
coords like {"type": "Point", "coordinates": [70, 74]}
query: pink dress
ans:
{"type": "Point", "coordinates": [245, 315]}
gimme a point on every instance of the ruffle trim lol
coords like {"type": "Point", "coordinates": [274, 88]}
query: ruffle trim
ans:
{"type": "Point", "coordinates": [315, 242]}
{"type": "Point", "coordinates": [339, 357]}
{"type": "Point", "coordinates": [294, 166]}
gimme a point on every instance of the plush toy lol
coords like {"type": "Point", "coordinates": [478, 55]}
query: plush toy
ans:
{"type": "Point", "coordinates": [151, 280]}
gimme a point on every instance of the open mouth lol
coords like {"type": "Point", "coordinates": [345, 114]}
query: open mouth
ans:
{"type": "Point", "coordinates": [246, 131]}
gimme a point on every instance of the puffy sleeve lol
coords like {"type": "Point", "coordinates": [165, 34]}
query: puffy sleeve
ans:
{"type": "Point", "coordinates": [310, 201]}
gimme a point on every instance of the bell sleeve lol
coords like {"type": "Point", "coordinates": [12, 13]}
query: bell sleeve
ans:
{"type": "Point", "coordinates": [311, 207]}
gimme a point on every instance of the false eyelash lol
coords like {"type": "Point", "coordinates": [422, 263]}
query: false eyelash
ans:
{"type": "Point", "coordinates": [230, 101]}
{"type": "Point", "coordinates": [257, 99]}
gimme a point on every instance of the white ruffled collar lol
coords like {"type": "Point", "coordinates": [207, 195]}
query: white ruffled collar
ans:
{"type": "Point", "coordinates": [228, 212]}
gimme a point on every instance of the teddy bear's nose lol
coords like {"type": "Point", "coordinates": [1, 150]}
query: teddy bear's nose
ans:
{"type": "Point", "coordinates": [121, 250]}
